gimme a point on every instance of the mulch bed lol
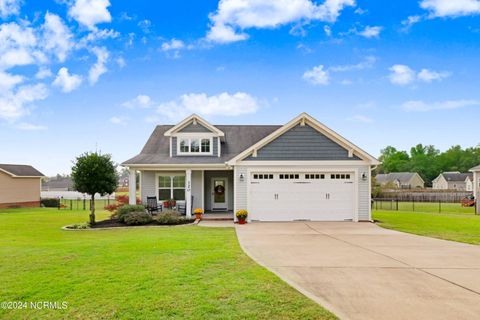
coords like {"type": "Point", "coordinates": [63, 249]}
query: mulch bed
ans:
{"type": "Point", "coordinates": [112, 223]}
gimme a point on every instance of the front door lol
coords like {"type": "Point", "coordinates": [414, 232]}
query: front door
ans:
{"type": "Point", "coordinates": [219, 194]}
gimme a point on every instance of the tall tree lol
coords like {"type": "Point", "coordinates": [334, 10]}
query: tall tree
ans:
{"type": "Point", "coordinates": [94, 173]}
{"type": "Point", "coordinates": [394, 160]}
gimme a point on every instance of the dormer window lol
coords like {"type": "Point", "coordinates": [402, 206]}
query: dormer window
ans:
{"type": "Point", "coordinates": [194, 145]}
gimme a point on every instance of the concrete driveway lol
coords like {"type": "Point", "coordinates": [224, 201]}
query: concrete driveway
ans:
{"type": "Point", "coordinates": [362, 271]}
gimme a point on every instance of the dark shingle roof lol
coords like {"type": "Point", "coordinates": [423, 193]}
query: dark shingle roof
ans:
{"type": "Point", "coordinates": [58, 183]}
{"type": "Point", "coordinates": [21, 170]}
{"type": "Point", "coordinates": [403, 177]}
{"type": "Point", "coordinates": [237, 139]}
{"type": "Point", "coordinates": [456, 176]}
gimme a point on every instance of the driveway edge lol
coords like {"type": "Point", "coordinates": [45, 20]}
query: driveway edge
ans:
{"type": "Point", "coordinates": [323, 303]}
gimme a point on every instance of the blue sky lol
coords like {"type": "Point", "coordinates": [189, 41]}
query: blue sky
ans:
{"type": "Point", "coordinates": [80, 75]}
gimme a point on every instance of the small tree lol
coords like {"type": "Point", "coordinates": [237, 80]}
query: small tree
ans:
{"type": "Point", "coordinates": [94, 173]}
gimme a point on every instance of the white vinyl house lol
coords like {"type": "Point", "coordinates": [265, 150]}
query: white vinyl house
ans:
{"type": "Point", "coordinates": [302, 170]}
{"type": "Point", "coordinates": [476, 185]}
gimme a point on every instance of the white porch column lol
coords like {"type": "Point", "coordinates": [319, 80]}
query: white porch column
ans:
{"type": "Point", "coordinates": [188, 192]}
{"type": "Point", "coordinates": [132, 187]}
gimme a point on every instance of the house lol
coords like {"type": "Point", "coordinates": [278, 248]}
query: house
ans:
{"type": "Point", "coordinates": [19, 186]}
{"type": "Point", "coordinates": [401, 180]}
{"type": "Point", "coordinates": [452, 181]}
{"type": "Point", "coordinates": [299, 171]}
{"type": "Point", "coordinates": [58, 183]}
{"type": "Point", "coordinates": [469, 183]}
{"type": "Point", "coordinates": [476, 185]}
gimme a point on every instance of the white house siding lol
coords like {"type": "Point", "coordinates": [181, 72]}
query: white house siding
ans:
{"type": "Point", "coordinates": [363, 186]}
{"type": "Point", "coordinates": [364, 195]}
{"type": "Point", "coordinates": [240, 188]}
{"type": "Point", "coordinates": [440, 183]}
{"type": "Point", "coordinates": [147, 185]}
{"type": "Point", "coordinates": [197, 189]}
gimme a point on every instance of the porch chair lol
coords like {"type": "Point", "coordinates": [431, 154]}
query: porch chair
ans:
{"type": "Point", "coordinates": [152, 205]}
{"type": "Point", "coordinates": [182, 207]}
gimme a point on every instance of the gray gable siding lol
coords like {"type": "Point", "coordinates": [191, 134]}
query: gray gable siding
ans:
{"type": "Point", "coordinates": [214, 148]}
{"type": "Point", "coordinates": [302, 143]}
{"type": "Point", "coordinates": [194, 128]}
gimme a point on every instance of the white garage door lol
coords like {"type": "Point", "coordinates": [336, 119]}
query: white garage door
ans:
{"type": "Point", "coordinates": [315, 196]}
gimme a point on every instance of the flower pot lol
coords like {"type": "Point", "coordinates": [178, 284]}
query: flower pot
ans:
{"type": "Point", "coordinates": [242, 221]}
{"type": "Point", "coordinates": [198, 216]}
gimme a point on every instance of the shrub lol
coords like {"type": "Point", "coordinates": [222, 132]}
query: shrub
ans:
{"type": "Point", "coordinates": [126, 209]}
{"type": "Point", "coordinates": [78, 226]}
{"type": "Point", "coordinates": [112, 207]}
{"type": "Point", "coordinates": [124, 199]}
{"type": "Point", "coordinates": [171, 217]}
{"type": "Point", "coordinates": [50, 203]}
{"type": "Point", "coordinates": [137, 218]}
{"type": "Point", "coordinates": [242, 214]}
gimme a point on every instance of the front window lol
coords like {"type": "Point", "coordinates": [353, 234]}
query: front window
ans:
{"type": "Point", "coordinates": [184, 145]}
{"type": "Point", "coordinates": [205, 145]}
{"type": "Point", "coordinates": [195, 146]}
{"type": "Point", "coordinates": [171, 187]}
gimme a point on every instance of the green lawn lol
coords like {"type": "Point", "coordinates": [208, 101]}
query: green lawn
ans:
{"type": "Point", "coordinates": [423, 207]}
{"type": "Point", "coordinates": [185, 272]}
{"type": "Point", "coordinates": [460, 227]}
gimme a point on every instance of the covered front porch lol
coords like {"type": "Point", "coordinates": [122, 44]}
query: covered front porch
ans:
{"type": "Point", "coordinates": [210, 189]}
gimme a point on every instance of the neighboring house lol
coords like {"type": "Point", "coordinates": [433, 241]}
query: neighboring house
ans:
{"type": "Point", "coordinates": [452, 181]}
{"type": "Point", "coordinates": [58, 183]}
{"type": "Point", "coordinates": [299, 171]}
{"type": "Point", "coordinates": [19, 186]}
{"type": "Point", "coordinates": [476, 185]}
{"type": "Point", "coordinates": [401, 180]}
{"type": "Point", "coordinates": [469, 183]}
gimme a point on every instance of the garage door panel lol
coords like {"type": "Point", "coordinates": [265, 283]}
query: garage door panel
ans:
{"type": "Point", "coordinates": [301, 199]}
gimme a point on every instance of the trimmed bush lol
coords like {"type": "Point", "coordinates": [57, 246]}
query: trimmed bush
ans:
{"type": "Point", "coordinates": [126, 209]}
{"type": "Point", "coordinates": [171, 217]}
{"type": "Point", "coordinates": [137, 218]}
{"type": "Point", "coordinates": [50, 203]}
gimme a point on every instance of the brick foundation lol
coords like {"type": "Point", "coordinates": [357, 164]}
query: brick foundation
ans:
{"type": "Point", "coordinates": [30, 204]}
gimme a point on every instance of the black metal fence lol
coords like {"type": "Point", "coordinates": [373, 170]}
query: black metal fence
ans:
{"type": "Point", "coordinates": [83, 203]}
{"type": "Point", "coordinates": [385, 204]}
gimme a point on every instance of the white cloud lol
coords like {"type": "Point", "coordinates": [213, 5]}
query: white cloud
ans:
{"type": "Point", "coordinates": [174, 46]}
{"type": "Point", "coordinates": [320, 75]}
{"type": "Point", "coordinates": [57, 37]}
{"type": "Point", "coordinates": [327, 30]}
{"type": "Point", "coordinates": [234, 16]}
{"type": "Point", "coordinates": [410, 21]}
{"type": "Point", "coordinates": [9, 81]}
{"type": "Point", "coordinates": [96, 35]}
{"type": "Point", "coordinates": [145, 25]}
{"type": "Point", "coordinates": [9, 7]}
{"type": "Point", "coordinates": [370, 32]}
{"type": "Point", "coordinates": [66, 81]}
{"type": "Point", "coordinates": [367, 63]}
{"type": "Point", "coordinates": [90, 12]}
{"type": "Point", "coordinates": [99, 67]}
{"type": "Point", "coordinates": [360, 11]}
{"type": "Point", "coordinates": [317, 76]}
{"type": "Point", "coordinates": [361, 118]}
{"type": "Point", "coordinates": [15, 103]}
{"type": "Point", "coordinates": [121, 62]}
{"type": "Point", "coordinates": [421, 106]}
{"type": "Point", "coordinates": [403, 75]}
{"type": "Point", "coordinates": [17, 45]}
{"type": "Point", "coordinates": [118, 120]}
{"type": "Point", "coordinates": [43, 73]}
{"type": "Point", "coordinates": [140, 101]}
{"type": "Point", "coordinates": [429, 76]}
{"type": "Point", "coordinates": [451, 8]}
{"type": "Point", "coordinates": [223, 104]}
{"type": "Point", "coordinates": [30, 127]}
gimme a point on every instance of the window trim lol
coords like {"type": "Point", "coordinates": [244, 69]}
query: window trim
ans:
{"type": "Point", "coordinates": [199, 138]}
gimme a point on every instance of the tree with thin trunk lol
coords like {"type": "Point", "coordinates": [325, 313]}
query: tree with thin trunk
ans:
{"type": "Point", "coordinates": [94, 173]}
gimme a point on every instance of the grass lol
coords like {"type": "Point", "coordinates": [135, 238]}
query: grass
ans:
{"type": "Point", "coordinates": [459, 227]}
{"type": "Point", "coordinates": [423, 207]}
{"type": "Point", "coordinates": [185, 272]}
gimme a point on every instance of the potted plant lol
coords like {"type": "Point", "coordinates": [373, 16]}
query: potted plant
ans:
{"type": "Point", "coordinates": [198, 213]}
{"type": "Point", "coordinates": [241, 216]}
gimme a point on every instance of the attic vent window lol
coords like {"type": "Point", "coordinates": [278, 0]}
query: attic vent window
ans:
{"type": "Point", "coordinates": [195, 146]}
